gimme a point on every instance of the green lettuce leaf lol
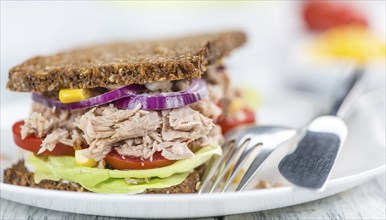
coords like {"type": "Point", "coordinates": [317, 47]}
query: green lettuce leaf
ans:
{"type": "Point", "coordinates": [113, 181]}
{"type": "Point", "coordinates": [113, 185]}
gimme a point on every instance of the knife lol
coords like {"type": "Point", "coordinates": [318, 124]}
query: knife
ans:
{"type": "Point", "coordinates": [311, 163]}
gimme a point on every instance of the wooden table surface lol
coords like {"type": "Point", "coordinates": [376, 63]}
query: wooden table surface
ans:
{"type": "Point", "coordinates": [366, 201]}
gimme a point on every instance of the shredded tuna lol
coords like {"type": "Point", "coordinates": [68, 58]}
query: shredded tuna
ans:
{"type": "Point", "coordinates": [57, 136]}
{"type": "Point", "coordinates": [36, 124]}
{"type": "Point", "coordinates": [217, 77]}
{"type": "Point", "coordinates": [214, 136]}
{"type": "Point", "coordinates": [105, 127]}
{"type": "Point", "coordinates": [184, 124]}
{"type": "Point", "coordinates": [216, 93]}
{"type": "Point", "coordinates": [141, 133]}
{"type": "Point", "coordinates": [43, 110]}
{"type": "Point", "coordinates": [219, 87]}
{"type": "Point", "coordinates": [77, 138]}
{"type": "Point", "coordinates": [101, 164]}
{"type": "Point", "coordinates": [207, 108]}
{"type": "Point", "coordinates": [55, 125]}
{"type": "Point", "coordinates": [159, 86]}
{"type": "Point", "coordinates": [133, 132]}
{"type": "Point", "coordinates": [175, 150]}
{"type": "Point", "coordinates": [139, 147]}
{"type": "Point", "coordinates": [60, 118]}
{"type": "Point", "coordinates": [138, 126]}
{"type": "Point", "coordinates": [181, 85]}
{"type": "Point", "coordinates": [99, 123]}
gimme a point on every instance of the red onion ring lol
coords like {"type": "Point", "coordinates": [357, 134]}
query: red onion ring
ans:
{"type": "Point", "coordinates": [194, 93]}
{"type": "Point", "coordinates": [91, 102]}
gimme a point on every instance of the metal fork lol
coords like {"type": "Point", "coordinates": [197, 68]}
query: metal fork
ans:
{"type": "Point", "coordinates": [245, 144]}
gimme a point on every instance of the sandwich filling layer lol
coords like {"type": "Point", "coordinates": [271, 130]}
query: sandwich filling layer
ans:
{"type": "Point", "coordinates": [118, 181]}
{"type": "Point", "coordinates": [175, 133]}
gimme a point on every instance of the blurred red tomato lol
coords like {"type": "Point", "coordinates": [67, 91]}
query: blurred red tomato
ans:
{"type": "Point", "coordinates": [322, 15]}
{"type": "Point", "coordinates": [248, 117]}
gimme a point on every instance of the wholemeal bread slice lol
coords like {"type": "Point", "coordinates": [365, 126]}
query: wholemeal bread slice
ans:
{"type": "Point", "coordinates": [19, 175]}
{"type": "Point", "coordinates": [124, 63]}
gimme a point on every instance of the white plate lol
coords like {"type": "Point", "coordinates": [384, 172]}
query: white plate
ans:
{"type": "Point", "coordinates": [362, 158]}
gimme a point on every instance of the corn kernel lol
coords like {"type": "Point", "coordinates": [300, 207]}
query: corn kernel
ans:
{"type": "Point", "coordinates": [73, 95]}
{"type": "Point", "coordinates": [236, 105]}
{"type": "Point", "coordinates": [83, 161]}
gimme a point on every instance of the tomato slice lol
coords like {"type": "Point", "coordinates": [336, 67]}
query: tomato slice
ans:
{"type": "Point", "coordinates": [230, 123]}
{"type": "Point", "coordinates": [120, 162]}
{"type": "Point", "coordinates": [33, 143]}
{"type": "Point", "coordinates": [116, 161]}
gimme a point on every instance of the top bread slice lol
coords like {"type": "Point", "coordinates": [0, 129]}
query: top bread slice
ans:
{"type": "Point", "coordinates": [124, 63]}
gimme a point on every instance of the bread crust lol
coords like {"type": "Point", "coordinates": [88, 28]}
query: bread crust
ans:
{"type": "Point", "coordinates": [124, 63]}
{"type": "Point", "coordinates": [19, 175]}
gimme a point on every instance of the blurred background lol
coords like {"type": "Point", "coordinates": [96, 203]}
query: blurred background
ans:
{"type": "Point", "coordinates": [294, 59]}
{"type": "Point", "coordinates": [283, 35]}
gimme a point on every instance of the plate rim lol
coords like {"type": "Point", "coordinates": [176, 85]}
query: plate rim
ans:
{"type": "Point", "coordinates": [4, 187]}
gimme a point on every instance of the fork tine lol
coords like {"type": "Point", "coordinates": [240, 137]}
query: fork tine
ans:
{"type": "Point", "coordinates": [253, 169]}
{"type": "Point", "coordinates": [248, 152]}
{"type": "Point", "coordinates": [225, 164]}
{"type": "Point", "coordinates": [208, 173]}
{"type": "Point", "coordinates": [213, 165]}
{"type": "Point", "coordinates": [239, 151]}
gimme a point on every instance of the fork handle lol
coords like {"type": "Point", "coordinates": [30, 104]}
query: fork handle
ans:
{"type": "Point", "coordinates": [253, 169]}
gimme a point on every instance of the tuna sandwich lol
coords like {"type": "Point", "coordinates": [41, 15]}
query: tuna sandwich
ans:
{"type": "Point", "coordinates": [136, 117]}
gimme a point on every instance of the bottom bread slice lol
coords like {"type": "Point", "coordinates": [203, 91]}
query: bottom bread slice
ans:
{"type": "Point", "coordinates": [19, 175]}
